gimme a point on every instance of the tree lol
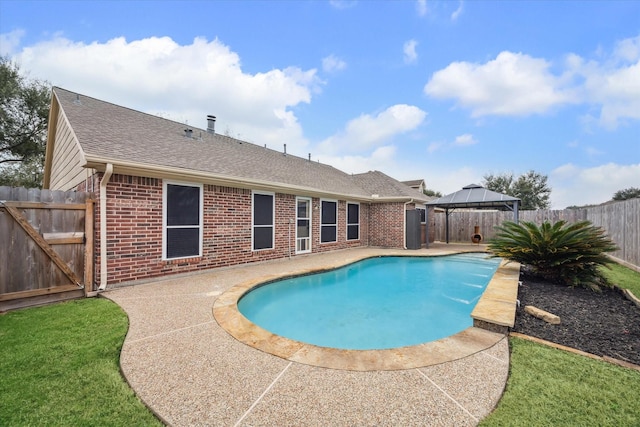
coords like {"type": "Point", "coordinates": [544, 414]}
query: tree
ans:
{"type": "Point", "coordinates": [627, 193]}
{"type": "Point", "coordinates": [431, 193]}
{"type": "Point", "coordinates": [24, 113]}
{"type": "Point", "coordinates": [531, 188]}
{"type": "Point", "coordinates": [499, 183]}
{"type": "Point", "coordinates": [567, 253]}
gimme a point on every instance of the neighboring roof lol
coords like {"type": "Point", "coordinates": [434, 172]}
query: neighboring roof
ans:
{"type": "Point", "coordinates": [414, 183]}
{"type": "Point", "coordinates": [377, 183]}
{"type": "Point", "coordinates": [474, 196]}
{"type": "Point", "coordinates": [147, 145]}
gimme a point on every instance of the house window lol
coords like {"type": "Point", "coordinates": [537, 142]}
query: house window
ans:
{"type": "Point", "coordinates": [262, 223]}
{"type": "Point", "coordinates": [353, 221]}
{"type": "Point", "coordinates": [182, 215]}
{"type": "Point", "coordinates": [423, 215]}
{"type": "Point", "coordinates": [329, 223]}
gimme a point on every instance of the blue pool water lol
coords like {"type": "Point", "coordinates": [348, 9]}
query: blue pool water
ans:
{"type": "Point", "coordinates": [377, 303]}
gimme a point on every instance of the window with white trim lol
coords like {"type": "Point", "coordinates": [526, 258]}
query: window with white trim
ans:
{"type": "Point", "coordinates": [353, 221]}
{"type": "Point", "coordinates": [329, 221]}
{"type": "Point", "coordinates": [182, 220]}
{"type": "Point", "coordinates": [423, 215]}
{"type": "Point", "coordinates": [262, 223]}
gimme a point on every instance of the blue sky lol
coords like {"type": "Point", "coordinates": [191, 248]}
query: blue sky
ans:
{"type": "Point", "coordinates": [446, 91]}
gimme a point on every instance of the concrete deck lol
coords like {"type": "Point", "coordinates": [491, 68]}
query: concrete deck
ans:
{"type": "Point", "coordinates": [191, 371]}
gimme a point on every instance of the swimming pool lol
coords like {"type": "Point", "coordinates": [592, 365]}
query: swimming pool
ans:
{"type": "Point", "coordinates": [377, 303]}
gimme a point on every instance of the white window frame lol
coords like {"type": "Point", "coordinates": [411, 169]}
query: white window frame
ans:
{"type": "Point", "coordinates": [425, 214]}
{"type": "Point", "coordinates": [346, 234]}
{"type": "Point", "coordinates": [310, 201]}
{"type": "Point", "coordinates": [322, 225]}
{"type": "Point", "coordinates": [165, 183]}
{"type": "Point", "coordinates": [273, 216]}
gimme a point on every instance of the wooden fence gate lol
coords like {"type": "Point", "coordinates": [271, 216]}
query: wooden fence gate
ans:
{"type": "Point", "coordinates": [46, 246]}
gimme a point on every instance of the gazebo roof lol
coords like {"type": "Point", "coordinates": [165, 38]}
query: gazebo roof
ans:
{"type": "Point", "coordinates": [475, 196]}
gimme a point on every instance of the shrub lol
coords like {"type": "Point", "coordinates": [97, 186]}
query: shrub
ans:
{"type": "Point", "coordinates": [569, 254]}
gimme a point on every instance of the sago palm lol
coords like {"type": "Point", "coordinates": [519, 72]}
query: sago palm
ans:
{"type": "Point", "coordinates": [567, 253]}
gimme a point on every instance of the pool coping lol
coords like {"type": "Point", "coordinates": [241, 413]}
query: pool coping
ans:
{"type": "Point", "coordinates": [492, 317]}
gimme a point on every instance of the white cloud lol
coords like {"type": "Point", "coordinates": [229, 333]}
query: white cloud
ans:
{"type": "Point", "coordinates": [628, 49]}
{"type": "Point", "coordinates": [513, 84]}
{"type": "Point", "coordinates": [409, 49]}
{"type": "Point", "coordinates": [421, 7]}
{"type": "Point", "coordinates": [180, 82]}
{"type": "Point", "coordinates": [576, 186]}
{"type": "Point", "coordinates": [593, 152]}
{"type": "Point", "coordinates": [460, 141]}
{"type": "Point", "coordinates": [615, 89]}
{"type": "Point", "coordinates": [367, 131]}
{"type": "Point", "coordinates": [331, 64]}
{"type": "Point", "coordinates": [10, 41]}
{"type": "Point", "coordinates": [466, 139]}
{"type": "Point", "coordinates": [435, 146]}
{"type": "Point", "coordinates": [343, 4]}
{"type": "Point", "coordinates": [516, 84]}
{"type": "Point", "coordinates": [382, 159]}
{"type": "Point", "coordinates": [458, 11]}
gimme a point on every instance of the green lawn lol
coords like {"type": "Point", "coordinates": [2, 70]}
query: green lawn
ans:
{"type": "Point", "coordinates": [623, 277]}
{"type": "Point", "coordinates": [59, 367]}
{"type": "Point", "coordinates": [550, 387]}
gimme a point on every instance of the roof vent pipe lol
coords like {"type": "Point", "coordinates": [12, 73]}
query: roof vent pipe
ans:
{"type": "Point", "coordinates": [309, 156]}
{"type": "Point", "coordinates": [285, 149]}
{"type": "Point", "coordinates": [211, 124]}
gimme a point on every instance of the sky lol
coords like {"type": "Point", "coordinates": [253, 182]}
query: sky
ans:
{"type": "Point", "coordinates": [445, 91]}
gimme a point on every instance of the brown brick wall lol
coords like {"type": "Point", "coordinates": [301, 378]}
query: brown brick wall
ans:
{"type": "Point", "coordinates": [134, 229]}
{"type": "Point", "coordinates": [386, 224]}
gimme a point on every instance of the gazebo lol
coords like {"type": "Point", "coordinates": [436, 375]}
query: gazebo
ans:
{"type": "Point", "coordinates": [473, 196]}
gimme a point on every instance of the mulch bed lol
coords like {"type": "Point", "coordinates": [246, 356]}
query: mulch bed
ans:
{"type": "Point", "coordinates": [605, 324]}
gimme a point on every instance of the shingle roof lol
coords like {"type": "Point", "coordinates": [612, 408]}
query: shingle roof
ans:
{"type": "Point", "coordinates": [106, 131]}
{"type": "Point", "coordinates": [376, 182]}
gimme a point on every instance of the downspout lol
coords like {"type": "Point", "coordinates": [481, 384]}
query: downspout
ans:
{"type": "Point", "coordinates": [404, 240]}
{"type": "Point", "coordinates": [108, 171]}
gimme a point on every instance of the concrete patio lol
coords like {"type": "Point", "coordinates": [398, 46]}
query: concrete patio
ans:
{"type": "Point", "coordinates": [191, 371]}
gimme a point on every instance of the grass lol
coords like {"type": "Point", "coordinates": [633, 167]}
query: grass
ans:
{"type": "Point", "coordinates": [60, 366]}
{"type": "Point", "coordinates": [550, 387]}
{"type": "Point", "coordinates": [623, 277]}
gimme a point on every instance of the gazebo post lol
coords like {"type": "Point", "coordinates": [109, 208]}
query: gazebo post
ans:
{"type": "Point", "coordinates": [515, 211]}
{"type": "Point", "coordinates": [446, 214]}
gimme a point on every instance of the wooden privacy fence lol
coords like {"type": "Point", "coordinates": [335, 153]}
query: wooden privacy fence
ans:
{"type": "Point", "coordinates": [621, 221]}
{"type": "Point", "coordinates": [46, 246]}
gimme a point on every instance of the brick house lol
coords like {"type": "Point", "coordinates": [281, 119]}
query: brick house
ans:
{"type": "Point", "coordinates": [174, 199]}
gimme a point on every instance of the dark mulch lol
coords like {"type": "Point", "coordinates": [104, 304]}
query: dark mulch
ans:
{"type": "Point", "coordinates": [605, 324]}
